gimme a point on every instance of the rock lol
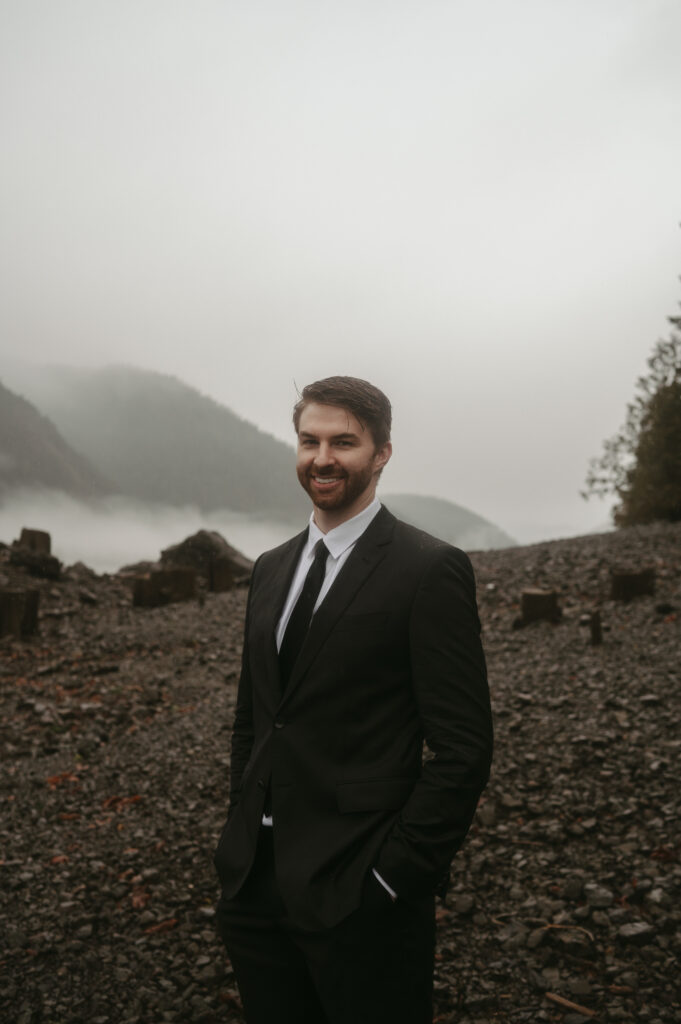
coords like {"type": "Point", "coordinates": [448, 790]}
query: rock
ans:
{"type": "Point", "coordinates": [580, 988]}
{"type": "Point", "coordinates": [114, 740]}
{"type": "Point", "coordinates": [638, 933]}
{"type": "Point", "coordinates": [658, 898]}
{"type": "Point", "coordinates": [598, 896]}
{"type": "Point", "coordinates": [487, 813]}
{"type": "Point", "coordinates": [536, 937]}
{"type": "Point", "coordinates": [464, 905]}
{"type": "Point", "coordinates": [216, 561]}
{"type": "Point", "coordinates": [573, 888]}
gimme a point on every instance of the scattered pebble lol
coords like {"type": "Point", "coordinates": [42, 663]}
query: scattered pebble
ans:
{"type": "Point", "coordinates": [114, 753]}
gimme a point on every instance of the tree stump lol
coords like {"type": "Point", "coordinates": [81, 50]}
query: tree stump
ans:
{"type": "Point", "coordinates": [626, 584]}
{"type": "Point", "coordinates": [536, 604]}
{"type": "Point", "coordinates": [37, 563]}
{"type": "Point", "coordinates": [596, 628]}
{"type": "Point", "coordinates": [38, 541]}
{"type": "Point", "coordinates": [164, 586]}
{"type": "Point", "coordinates": [220, 575]}
{"type": "Point", "coordinates": [18, 612]}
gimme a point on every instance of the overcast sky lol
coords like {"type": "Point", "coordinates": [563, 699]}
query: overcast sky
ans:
{"type": "Point", "coordinates": [473, 204]}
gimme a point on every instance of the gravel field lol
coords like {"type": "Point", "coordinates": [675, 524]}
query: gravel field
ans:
{"type": "Point", "coordinates": [565, 903]}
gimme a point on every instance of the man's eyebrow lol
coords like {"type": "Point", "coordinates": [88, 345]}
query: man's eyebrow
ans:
{"type": "Point", "coordinates": [346, 436]}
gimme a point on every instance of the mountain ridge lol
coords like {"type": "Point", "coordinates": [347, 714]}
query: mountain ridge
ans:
{"type": "Point", "coordinates": [448, 521]}
{"type": "Point", "coordinates": [158, 439]}
{"type": "Point", "coordinates": [34, 454]}
{"type": "Point", "coordinates": [149, 436]}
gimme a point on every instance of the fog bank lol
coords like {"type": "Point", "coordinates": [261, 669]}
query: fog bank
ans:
{"type": "Point", "coordinates": [116, 531]}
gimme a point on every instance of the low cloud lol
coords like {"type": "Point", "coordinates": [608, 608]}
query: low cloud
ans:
{"type": "Point", "coordinates": [116, 531]}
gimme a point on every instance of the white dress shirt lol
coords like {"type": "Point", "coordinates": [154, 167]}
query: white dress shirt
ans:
{"type": "Point", "coordinates": [340, 541]}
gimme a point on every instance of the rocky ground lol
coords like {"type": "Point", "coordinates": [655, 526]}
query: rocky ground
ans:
{"type": "Point", "coordinates": [565, 901]}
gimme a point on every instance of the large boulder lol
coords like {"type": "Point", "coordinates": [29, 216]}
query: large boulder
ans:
{"type": "Point", "coordinates": [209, 554]}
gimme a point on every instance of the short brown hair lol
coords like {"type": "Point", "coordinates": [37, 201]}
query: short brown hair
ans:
{"type": "Point", "coordinates": [366, 402]}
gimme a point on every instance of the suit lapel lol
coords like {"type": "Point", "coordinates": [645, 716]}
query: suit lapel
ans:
{"type": "Point", "coordinates": [275, 586]}
{"type": "Point", "coordinates": [369, 551]}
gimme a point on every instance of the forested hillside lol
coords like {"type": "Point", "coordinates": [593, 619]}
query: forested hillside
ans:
{"type": "Point", "coordinates": [34, 454]}
{"type": "Point", "coordinates": [448, 521]}
{"type": "Point", "coordinates": [163, 441]}
{"type": "Point", "coordinates": [158, 440]}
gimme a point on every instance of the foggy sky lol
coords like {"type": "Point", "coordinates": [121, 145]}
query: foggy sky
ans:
{"type": "Point", "coordinates": [473, 204]}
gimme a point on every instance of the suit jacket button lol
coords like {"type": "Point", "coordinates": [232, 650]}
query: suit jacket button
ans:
{"type": "Point", "coordinates": [261, 783]}
{"type": "Point", "coordinates": [278, 725]}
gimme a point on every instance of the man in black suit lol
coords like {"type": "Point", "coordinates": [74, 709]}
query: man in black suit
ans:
{"type": "Point", "coordinates": [362, 640]}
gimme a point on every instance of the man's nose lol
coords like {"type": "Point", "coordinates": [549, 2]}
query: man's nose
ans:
{"type": "Point", "coordinates": [324, 456]}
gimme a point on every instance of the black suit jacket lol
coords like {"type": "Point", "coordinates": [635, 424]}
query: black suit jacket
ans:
{"type": "Point", "coordinates": [393, 657]}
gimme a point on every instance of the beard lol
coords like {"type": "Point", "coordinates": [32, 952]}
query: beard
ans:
{"type": "Point", "coordinates": [350, 486]}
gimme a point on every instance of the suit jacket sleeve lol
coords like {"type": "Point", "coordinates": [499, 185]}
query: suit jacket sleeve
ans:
{"type": "Point", "coordinates": [450, 686]}
{"type": "Point", "coordinates": [242, 733]}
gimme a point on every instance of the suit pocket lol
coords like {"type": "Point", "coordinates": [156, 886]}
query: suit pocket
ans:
{"type": "Point", "coordinates": [373, 795]}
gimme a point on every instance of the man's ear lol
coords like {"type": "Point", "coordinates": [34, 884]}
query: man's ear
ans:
{"type": "Point", "coordinates": [383, 455]}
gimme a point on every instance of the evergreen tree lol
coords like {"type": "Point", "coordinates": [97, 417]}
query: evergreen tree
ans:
{"type": "Point", "coordinates": [641, 464]}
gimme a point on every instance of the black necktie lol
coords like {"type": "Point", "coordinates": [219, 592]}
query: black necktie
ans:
{"type": "Point", "coordinates": [301, 616]}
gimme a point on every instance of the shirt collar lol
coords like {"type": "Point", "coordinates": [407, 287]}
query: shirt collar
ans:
{"type": "Point", "coordinates": [344, 536]}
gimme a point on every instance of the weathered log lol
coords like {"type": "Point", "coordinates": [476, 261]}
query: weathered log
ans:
{"type": "Point", "coordinates": [18, 612]}
{"type": "Point", "coordinates": [626, 584]}
{"type": "Point", "coordinates": [38, 541]}
{"type": "Point", "coordinates": [164, 586]}
{"type": "Point", "coordinates": [536, 604]}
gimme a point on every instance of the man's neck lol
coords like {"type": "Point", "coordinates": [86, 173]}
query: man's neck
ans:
{"type": "Point", "coordinates": [329, 519]}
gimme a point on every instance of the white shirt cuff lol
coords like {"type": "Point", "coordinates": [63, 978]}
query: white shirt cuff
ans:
{"type": "Point", "coordinates": [388, 889]}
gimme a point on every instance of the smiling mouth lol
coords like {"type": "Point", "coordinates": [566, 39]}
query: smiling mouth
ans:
{"type": "Point", "coordinates": [324, 481]}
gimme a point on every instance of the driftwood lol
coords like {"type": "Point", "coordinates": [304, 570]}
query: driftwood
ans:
{"type": "Point", "coordinates": [567, 1004]}
{"type": "Point", "coordinates": [626, 584]}
{"type": "Point", "coordinates": [18, 612]}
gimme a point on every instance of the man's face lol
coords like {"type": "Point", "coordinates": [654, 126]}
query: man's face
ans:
{"type": "Point", "coordinates": [338, 463]}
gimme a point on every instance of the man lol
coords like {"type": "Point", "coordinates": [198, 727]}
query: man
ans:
{"type": "Point", "coordinates": [339, 831]}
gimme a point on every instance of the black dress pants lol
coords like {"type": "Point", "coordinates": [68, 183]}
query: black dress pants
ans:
{"type": "Point", "coordinates": [373, 967]}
